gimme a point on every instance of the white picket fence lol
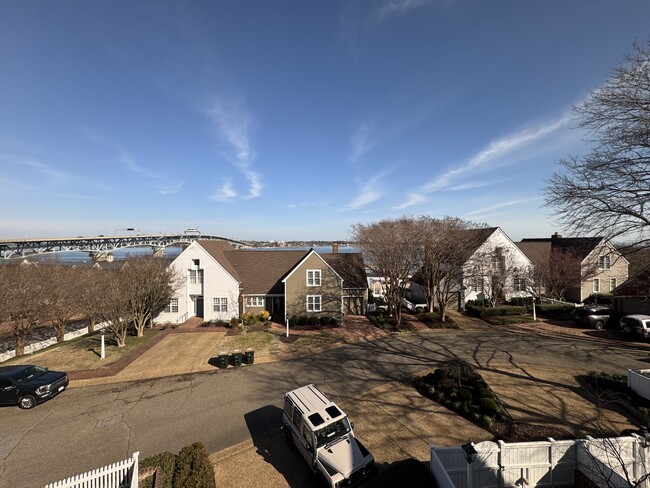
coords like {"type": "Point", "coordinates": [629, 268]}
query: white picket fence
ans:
{"type": "Point", "coordinates": [540, 464]}
{"type": "Point", "coordinates": [123, 474]}
{"type": "Point", "coordinates": [638, 382]}
{"type": "Point", "coordinates": [37, 346]}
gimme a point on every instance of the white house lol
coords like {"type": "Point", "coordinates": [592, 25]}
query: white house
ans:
{"type": "Point", "coordinates": [216, 298]}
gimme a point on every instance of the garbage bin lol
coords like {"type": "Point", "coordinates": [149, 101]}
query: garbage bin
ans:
{"type": "Point", "coordinates": [222, 360]}
{"type": "Point", "coordinates": [235, 358]}
{"type": "Point", "coordinates": [249, 356]}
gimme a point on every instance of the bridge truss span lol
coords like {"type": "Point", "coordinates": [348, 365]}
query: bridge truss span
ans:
{"type": "Point", "coordinates": [99, 245]}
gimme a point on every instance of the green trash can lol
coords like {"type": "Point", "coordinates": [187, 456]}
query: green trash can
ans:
{"type": "Point", "coordinates": [249, 356]}
{"type": "Point", "coordinates": [235, 358]}
{"type": "Point", "coordinates": [222, 360]}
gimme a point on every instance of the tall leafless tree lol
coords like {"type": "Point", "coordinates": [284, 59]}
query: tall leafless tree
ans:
{"type": "Point", "coordinates": [150, 284]}
{"type": "Point", "coordinates": [112, 302]}
{"type": "Point", "coordinates": [23, 300]}
{"type": "Point", "coordinates": [447, 245]}
{"type": "Point", "coordinates": [62, 293]}
{"type": "Point", "coordinates": [607, 191]}
{"type": "Point", "coordinates": [495, 271]}
{"type": "Point", "coordinates": [393, 250]}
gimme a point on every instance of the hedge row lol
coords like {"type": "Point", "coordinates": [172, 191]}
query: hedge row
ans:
{"type": "Point", "coordinates": [482, 312]}
{"type": "Point", "coordinates": [311, 320]}
{"type": "Point", "coordinates": [191, 467]}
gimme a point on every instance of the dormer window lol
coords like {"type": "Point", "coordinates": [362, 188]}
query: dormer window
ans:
{"type": "Point", "coordinates": [313, 277]}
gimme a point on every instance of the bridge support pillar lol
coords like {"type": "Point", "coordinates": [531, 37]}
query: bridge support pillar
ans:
{"type": "Point", "coordinates": [102, 256]}
{"type": "Point", "coordinates": [159, 252]}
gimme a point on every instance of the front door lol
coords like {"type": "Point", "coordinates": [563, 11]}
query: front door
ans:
{"type": "Point", "coordinates": [198, 307]}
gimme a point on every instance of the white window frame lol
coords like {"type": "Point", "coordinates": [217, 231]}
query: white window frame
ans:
{"type": "Point", "coordinates": [316, 304]}
{"type": "Point", "coordinates": [172, 306]}
{"type": "Point", "coordinates": [316, 277]}
{"type": "Point", "coordinates": [519, 284]}
{"type": "Point", "coordinates": [604, 262]}
{"type": "Point", "coordinates": [596, 285]}
{"type": "Point", "coordinates": [196, 276]}
{"type": "Point", "coordinates": [220, 304]}
{"type": "Point", "coordinates": [613, 283]}
{"type": "Point", "coordinates": [255, 301]}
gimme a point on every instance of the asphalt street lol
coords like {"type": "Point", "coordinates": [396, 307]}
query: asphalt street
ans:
{"type": "Point", "coordinates": [85, 428]}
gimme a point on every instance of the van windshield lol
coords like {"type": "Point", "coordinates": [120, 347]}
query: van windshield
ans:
{"type": "Point", "coordinates": [332, 432]}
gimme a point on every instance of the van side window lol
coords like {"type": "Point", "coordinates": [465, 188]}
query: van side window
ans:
{"type": "Point", "coordinates": [306, 433]}
{"type": "Point", "coordinates": [288, 407]}
{"type": "Point", "coordinates": [296, 416]}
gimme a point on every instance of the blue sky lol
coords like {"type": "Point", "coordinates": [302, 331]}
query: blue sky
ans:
{"type": "Point", "coordinates": [293, 120]}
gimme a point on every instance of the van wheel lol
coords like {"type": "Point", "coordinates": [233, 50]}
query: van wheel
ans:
{"type": "Point", "coordinates": [599, 324]}
{"type": "Point", "coordinates": [27, 402]}
{"type": "Point", "coordinates": [626, 329]}
{"type": "Point", "coordinates": [289, 437]}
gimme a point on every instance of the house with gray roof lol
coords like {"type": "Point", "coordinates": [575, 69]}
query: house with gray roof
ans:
{"type": "Point", "coordinates": [220, 282]}
{"type": "Point", "coordinates": [599, 266]}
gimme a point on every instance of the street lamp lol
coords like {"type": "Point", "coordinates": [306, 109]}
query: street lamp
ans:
{"type": "Point", "coordinates": [470, 452]}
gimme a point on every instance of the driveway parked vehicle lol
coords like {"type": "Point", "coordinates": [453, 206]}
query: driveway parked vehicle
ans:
{"type": "Point", "coordinates": [593, 316]}
{"type": "Point", "coordinates": [639, 324]}
{"type": "Point", "coordinates": [323, 435]}
{"type": "Point", "coordinates": [28, 385]}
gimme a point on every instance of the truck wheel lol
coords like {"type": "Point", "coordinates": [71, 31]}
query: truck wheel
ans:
{"type": "Point", "coordinates": [599, 324]}
{"type": "Point", "coordinates": [289, 437]}
{"type": "Point", "coordinates": [26, 402]}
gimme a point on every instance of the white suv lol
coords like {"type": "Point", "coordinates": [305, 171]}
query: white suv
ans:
{"type": "Point", "coordinates": [324, 437]}
{"type": "Point", "coordinates": [636, 323]}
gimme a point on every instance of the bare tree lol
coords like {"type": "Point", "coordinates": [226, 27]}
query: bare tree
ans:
{"type": "Point", "coordinates": [447, 245]}
{"type": "Point", "coordinates": [112, 303]}
{"type": "Point", "coordinates": [89, 294]}
{"type": "Point", "coordinates": [606, 191]}
{"type": "Point", "coordinates": [61, 294]}
{"type": "Point", "coordinates": [150, 284]}
{"type": "Point", "coordinates": [393, 250]}
{"type": "Point", "coordinates": [23, 300]}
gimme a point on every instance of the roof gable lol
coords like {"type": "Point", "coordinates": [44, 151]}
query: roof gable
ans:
{"type": "Point", "coordinates": [350, 267]}
{"type": "Point", "coordinates": [262, 272]}
{"type": "Point", "coordinates": [311, 252]}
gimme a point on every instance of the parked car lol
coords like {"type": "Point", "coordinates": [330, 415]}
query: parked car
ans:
{"type": "Point", "coordinates": [639, 324]}
{"type": "Point", "coordinates": [323, 435]}
{"type": "Point", "coordinates": [593, 316]}
{"type": "Point", "coordinates": [28, 385]}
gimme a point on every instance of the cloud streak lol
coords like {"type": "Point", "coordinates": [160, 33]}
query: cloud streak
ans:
{"type": "Point", "coordinates": [491, 157]}
{"type": "Point", "coordinates": [360, 141]}
{"type": "Point", "coordinates": [370, 192]}
{"type": "Point", "coordinates": [496, 206]}
{"type": "Point", "coordinates": [394, 8]}
{"type": "Point", "coordinates": [231, 125]}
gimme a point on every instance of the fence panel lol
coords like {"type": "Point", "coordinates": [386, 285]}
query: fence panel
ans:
{"type": "Point", "coordinates": [638, 382]}
{"type": "Point", "coordinates": [123, 474]}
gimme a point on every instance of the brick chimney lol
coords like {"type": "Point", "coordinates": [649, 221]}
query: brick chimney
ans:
{"type": "Point", "coordinates": [556, 236]}
{"type": "Point", "coordinates": [335, 248]}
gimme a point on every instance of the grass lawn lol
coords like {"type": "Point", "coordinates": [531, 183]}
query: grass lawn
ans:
{"type": "Point", "coordinates": [260, 341]}
{"type": "Point", "coordinates": [306, 342]}
{"type": "Point", "coordinates": [82, 352]}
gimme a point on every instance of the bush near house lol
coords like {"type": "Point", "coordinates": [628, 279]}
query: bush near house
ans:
{"type": "Point", "coordinates": [191, 467]}
{"type": "Point", "coordinates": [312, 320]}
{"type": "Point", "coordinates": [598, 298]}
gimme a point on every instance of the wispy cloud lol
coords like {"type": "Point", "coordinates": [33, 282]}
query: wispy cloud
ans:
{"type": "Point", "coordinates": [392, 8]}
{"type": "Point", "coordinates": [370, 192]}
{"type": "Point", "coordinates": [31, 166]}
{"type": "Point", "coordinates": [163, 184]}
{"type": "Point", "coordinates": [495, 155]}
{"type": "Point", "coordinates": [361, 142]}
{"type": "Point", "coordinates": [232, 124]}
{"type": "Point", "coordinates": [412, 199]}
{"type": "Point", "coordinates": [509, 203]}
{"type": "Point", "coordinates": [225, 193]}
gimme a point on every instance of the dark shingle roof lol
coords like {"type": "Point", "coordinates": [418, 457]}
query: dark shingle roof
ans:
{"type": "Point", "coordinates": [537, 252]}
{"type": "Point", "coordinates": [261, 272]}
{"type": "Point", "coordinates": [350, 267]}
{"type": "Point", "coordinates": [216, 249]}
{"type": "Point", "coordinates": [636, 286]}
{"type": "Point", "coordinates": [582, 246]}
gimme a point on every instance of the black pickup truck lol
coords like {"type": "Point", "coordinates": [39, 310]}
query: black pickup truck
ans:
{"type": "Point", "coordinates": [27, 385]}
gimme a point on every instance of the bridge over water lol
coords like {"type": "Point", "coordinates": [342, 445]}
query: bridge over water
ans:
{"type": "Point", "coordinates": [99, 247]}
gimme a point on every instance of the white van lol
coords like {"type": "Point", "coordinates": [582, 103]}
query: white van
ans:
{"type": "Point", "coordinates": [323, 435]}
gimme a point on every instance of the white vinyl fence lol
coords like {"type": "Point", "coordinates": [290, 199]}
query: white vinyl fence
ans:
{"type": "Point", "coordinates": [540, 464]}
{"type": "Point", "coordinates": [37, 346]}
{"type": "Point", "coordinates": [123, 474]}
{"type": "Point", "coordinates": [638, 380]}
